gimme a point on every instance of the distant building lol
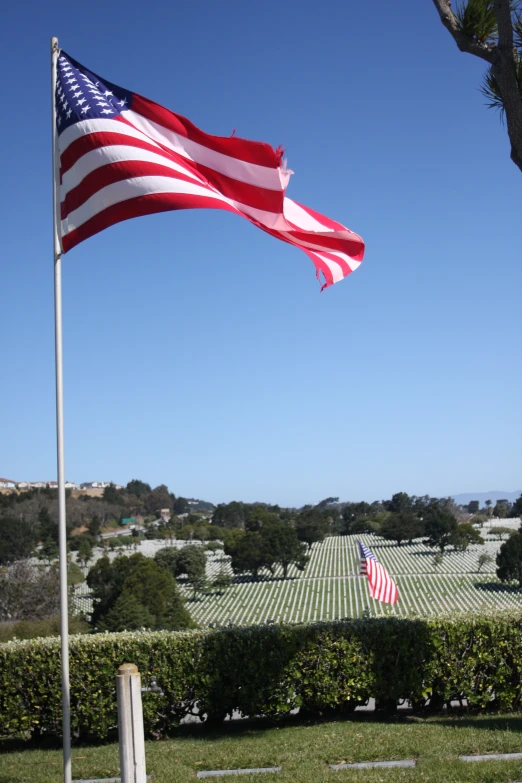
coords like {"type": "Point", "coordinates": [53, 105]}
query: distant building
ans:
{"type": "Point", "coordinates": [165, 514]}
{"type": "Point", "coordinates": [7, 484]}
{"type": "Point", "coordinates": [98, 485]}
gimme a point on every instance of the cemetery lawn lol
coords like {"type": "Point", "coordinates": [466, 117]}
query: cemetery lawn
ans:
{"type": "Point", "coordinates": [303, 750]}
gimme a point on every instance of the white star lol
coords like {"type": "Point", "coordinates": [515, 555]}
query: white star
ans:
{"type": "Point", "coordinates": [81, 102]}
{"type": "Point", "coordinates": [70, 81]}
{"type": "Point", "coordinates": [85, 109]}
{"type": "Point", "coordinates": [77, 94]}
{"type": "Point", "coordinates": [108, 92]}
{"type": "Point", "coordinates": [123, 102]}
{"type": "Point", "coordinates": [59, 121]}
{"type": "Point", "coordinates": [68, 113]}
{"type": "Point", "coordinates": [102, 103]}
{"type": "Point", "coordinates": [106, 111]}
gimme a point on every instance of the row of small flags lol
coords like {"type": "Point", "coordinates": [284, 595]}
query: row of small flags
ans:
{"type": "Point", "coordinates": [382, 586]}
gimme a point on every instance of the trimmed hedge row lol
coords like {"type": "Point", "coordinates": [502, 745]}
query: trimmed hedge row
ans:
{"type": "Point", "coordinates": [265, 670]}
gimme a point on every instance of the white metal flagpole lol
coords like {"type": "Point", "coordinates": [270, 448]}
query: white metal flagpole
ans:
{"type": "Point", "coordinates": [62, 533]}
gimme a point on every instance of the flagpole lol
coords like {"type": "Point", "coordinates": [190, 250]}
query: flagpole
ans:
{"type": "Point", "coordinates": [62, 532]}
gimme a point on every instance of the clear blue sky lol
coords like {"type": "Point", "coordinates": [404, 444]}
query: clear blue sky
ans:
{"type": "Point", "coordinates": [198, 351]}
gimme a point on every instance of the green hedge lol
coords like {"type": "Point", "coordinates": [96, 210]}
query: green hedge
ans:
{"type": "Point", "coordinates": [265, 670]}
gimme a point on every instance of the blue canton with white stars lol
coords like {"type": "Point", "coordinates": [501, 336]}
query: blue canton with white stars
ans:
{"type": "Point", "coordinates": [365, 552]}
{"type": "Point", "coordinates": [82, 95]}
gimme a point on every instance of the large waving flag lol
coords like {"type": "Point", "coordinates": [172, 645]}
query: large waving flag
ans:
{"type": "Point", "coordinates": [382, 586]}
{"type": "Point", "coordinates": [122, 155]}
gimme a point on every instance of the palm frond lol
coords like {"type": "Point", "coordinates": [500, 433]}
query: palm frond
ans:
{"type": "Point", "coordinates": [490, 89]}
{"type": "Point", "coordinates": [476, 18]}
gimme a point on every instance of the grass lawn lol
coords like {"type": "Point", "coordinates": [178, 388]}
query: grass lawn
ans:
{"type": "Point", "coordinates": [303, 750]}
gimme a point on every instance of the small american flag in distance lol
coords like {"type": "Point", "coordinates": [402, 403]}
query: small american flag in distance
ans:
{"type": "Point", "coordinates": [382, 586]}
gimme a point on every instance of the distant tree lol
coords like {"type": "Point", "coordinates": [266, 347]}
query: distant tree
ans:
{"type": "Point", "coordinates": [282, 546]}
{"type": "Point", "coordinates": [75, 575]}
{"type": "Point", "coordinates": [248, 553]}
{"type": "Point", "coordinates": [517, 507]}
{"type": "Point", "coordinates": [473, 507]}
{"type": "Point", "coordinates": [111, 494]}
{"type": "Point", "coordinates": [488, 504]}
{"type": "Point", "coordinates": [48, 527]}
{"type": "Point", "coordinates": [440, 526]}
{"type": "Point", "coordinates": [28, 592]}
{"type": "Point", "coordinates": [500, 532]}
{"type": "Point", "coordinates": [221, 581]}
{"type": "Point", "coordinates": [464, 535]}
{"type": "Point", "coordinates": [156, 589]}
{"type": "Point", "coordinates": [502, 509]}
{"type": "Point", "coordinates": [17, 540]}
{"type": "Point", "coordinates": [230, 515]}
{"type": "Point", "coordinates": [509, 560]}
{"type": "Point", "coordinates": [95, 525]}
{"type": "Point", "coordinates": [311, 526]}
{"type": "Point", "coordinates": [400, 502]}
{"type": "Point", "coordinates": [49, 551]}
{"type": "Point", "coordinates": [138, 488]}
{"type": "Point", "coordinates": [484, 559]}
{"type": "Point", "coordinates": [402, 526]}
{"type": "Point", "coordinates": [437, 560]}
{"type": "Point", "coordinates": [326, 502]}
{"type": "Point", "coordinates": [181, 506]}
{"type": "Point", "coordinates": [479, 519]}
{"type": "Point", "coordinates": [191, 561]}
{"type": "Point", "coordinates": [127, 614]}
{"type": "Point", "coordinates": [84, 549]}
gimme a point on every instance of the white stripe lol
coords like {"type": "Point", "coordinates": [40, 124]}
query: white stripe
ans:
{"type": "Point", "coordinates": [86, 127]}
{"type": "Point", "coordinates": [251, 173]}
{"type": "Point", "coordinates": [132, 188]}
{"type": "Point", "coordinates": [142, 186]}
{"type": "Point", "coordinates": [103, 156]}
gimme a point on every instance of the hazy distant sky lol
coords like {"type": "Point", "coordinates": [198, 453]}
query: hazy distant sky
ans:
{"type": "Point", "coordinates": [198, 351]}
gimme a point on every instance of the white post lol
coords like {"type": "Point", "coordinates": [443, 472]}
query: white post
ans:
{"type": "Point", "coordinates": [62, 533]}
{"type": "Point", "coordinates": [130, 725]}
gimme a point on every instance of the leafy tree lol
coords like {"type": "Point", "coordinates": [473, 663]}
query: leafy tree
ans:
{"type": "Point", "coordinates": [229, 515]}
{"type": "Point", "coordinates": [492, 31]}
{"type": "Point", "coordinates": [192, 561]}
{"type": "Point", "coordinates": [111, 494]}
{"type": "Point", "coordinates": [84, 550]}
{"type": "Point", "coordinates": [473, 507]}
{"type": "Point", "coordinates": [17, 540]}
{"type": "Point", "coordinates": [221, 581]}
{"type": "Point", "coordinates": [479, 519]}
{"type": "Point", "coordinates": [75, 575]}
{"type": "Point", "coordinates": [181, 506]}
{"type": "Point", "coordinates": [138, 488]}
{"type": "Point", "coordinates": [484, 559]}
{"type": "Point", "coordinates": [437, 560]}
{"type": "Point", "coordinates": [500, 532]}
{"type": "Point", "coordinates": [48, 527]}
{"type": "Point", "coordinates": [464, 535]}
{"type": "Point", "coordinates": [248, 553]}
{"type": "Point", "coordinates": [488, 504]}
{"type": "Point", "coordinates": [95, 525]}
{"type": "Point", "coordinates": [509, 560]}
{"type": "Point", "coordinates": [402, 526]}
{"type": "Point", "coordinates": [49, 550]}
{"type": "Point", "coordinates": [311, 526]}
{"type": "Point", "coordinates": [127, 614]}
{"type": "Point", "coordinates": [281, 545]}
{"type": "Point", "coordinates": [156, 590]}
{"type": "Point", "coordinates": [440, 526]}
{"type": "Point", "coordinates": [106, 579]}
{"type": "Point", "coordinates": [517, 507]}
{"type": "Point", "coordinates": [400, 502]}
{"type": "Point", "coordinates": [502, 509]}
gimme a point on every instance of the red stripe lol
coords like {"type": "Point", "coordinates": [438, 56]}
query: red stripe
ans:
{"type": "Point", "coordinates": [325, 221]}
{"type": "Point", "coordinates": [244, 193]}
{"type": "Point", "coordinates": [142, 205]}
{"type": "Point", "coordinates": [116, 172]}
{"type": "Point", "coordinates": [249, 151]}
{"type": "Point", "coordinates": [353, 247]}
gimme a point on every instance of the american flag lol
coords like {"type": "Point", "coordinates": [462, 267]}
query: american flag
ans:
{"type": "Point", "coordinates": [122, 155]}
{"type": "Point", "coordinates": [382, 586]}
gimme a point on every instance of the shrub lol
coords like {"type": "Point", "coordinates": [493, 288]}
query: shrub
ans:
{"type": "Point", "coordinates": [265, 670]}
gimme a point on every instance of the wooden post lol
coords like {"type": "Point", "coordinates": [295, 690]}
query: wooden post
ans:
{"type": "Point", "coordinates": [130, 725]}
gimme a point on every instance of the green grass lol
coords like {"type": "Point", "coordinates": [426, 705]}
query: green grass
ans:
{"type": "Point", "coordinates": [304, 751]}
